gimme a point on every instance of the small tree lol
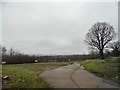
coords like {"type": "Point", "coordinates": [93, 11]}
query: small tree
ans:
{"type": "Point", "coordinates": [116, 48]}
{"type": "Point", "coordinates": [4, 50]}
{"type": "Point", "coordinates": [0, 50]}
{"type": "Point", "coordinates": [99, 36]}
{"type": "Point", "coordinates": [11, 51]}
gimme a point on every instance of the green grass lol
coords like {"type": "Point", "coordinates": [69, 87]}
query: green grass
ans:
{"type": "Point", "coordinates": [107, 68]}
{"type": "Point", "coordinates": [0, 76]}
{"type": "Point", "coordinates": [27, 75]}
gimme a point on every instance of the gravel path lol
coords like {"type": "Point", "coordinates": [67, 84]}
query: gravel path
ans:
{"type": "Point", "coordinates": [74, 76]}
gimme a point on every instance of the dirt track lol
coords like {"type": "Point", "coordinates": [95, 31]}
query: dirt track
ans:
{"type": "Point", "coordinates": [74, 76]}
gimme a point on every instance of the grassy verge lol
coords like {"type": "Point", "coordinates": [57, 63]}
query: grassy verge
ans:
{"type": "Point", "coordinates": [107, 68]}
{"type": "Point", "coordinates": [0, 76]}
{"type": "Point", "coordinates": [27, 75]}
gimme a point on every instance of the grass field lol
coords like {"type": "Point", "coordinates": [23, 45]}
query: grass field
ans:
{"type": "Point", "coordinates": [27, 75]}
{"type": "Point", "coordinates": [107, 68]}
{"type": "Point", "coordinates": [0, 76]}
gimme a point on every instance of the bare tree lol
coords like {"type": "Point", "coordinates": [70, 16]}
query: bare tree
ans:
{"type": "Point", "coordinates": [4, 50]}
{"type": "Point", "coordinates": [99, 36]}
{"type": "Point", "coordinates": [0, 54]}
{"type": "Point", "coordinates": [0, 50]}
{"type": "Point", "coordinates": [116, 48]}
{"type": "Point", "coordinates": [11, 51]}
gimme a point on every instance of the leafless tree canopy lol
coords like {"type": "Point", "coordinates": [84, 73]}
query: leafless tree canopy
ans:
{"type": "Point", "coordinates": [116, 48]}
{"type": "Point", "coordinates": [4, 50]}
{"type": "Point", "coordinates": [99, 35]}
{"type": "Point", "coordinates": [12, 52]}
{"type": "Point", "coordinates": [115, 45]}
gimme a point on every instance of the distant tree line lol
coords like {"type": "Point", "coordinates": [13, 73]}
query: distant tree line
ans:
{"type": "Point", "coordinates": [13, 57]}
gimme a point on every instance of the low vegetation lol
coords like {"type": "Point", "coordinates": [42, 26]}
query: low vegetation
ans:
{"type": "Point", "coordinates": [0, 77]}
{"type": "Point", "coordinates": [107, 68]}
{"type": "Point", "coordinates": [27, 75]}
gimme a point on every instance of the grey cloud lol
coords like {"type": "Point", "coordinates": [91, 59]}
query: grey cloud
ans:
{"type": "Point", "coordinates": [53, 28]}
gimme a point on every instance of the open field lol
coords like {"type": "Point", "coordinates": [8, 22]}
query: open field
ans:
{"type": "Point", "coordinates": [27, 75]}
{"type": "Point", "coordinates": [107, 68]}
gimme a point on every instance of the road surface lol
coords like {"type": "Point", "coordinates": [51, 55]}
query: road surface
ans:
{"type": "Point", "coordinates": [74, 76]}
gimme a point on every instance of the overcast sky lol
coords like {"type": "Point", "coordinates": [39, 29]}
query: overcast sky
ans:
{"type": "Point", "coordinates": [52, 28]}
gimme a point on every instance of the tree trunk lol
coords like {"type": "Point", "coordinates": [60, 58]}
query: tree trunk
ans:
{"type": "Point", "coordinates": [101, 54]}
